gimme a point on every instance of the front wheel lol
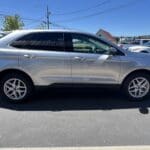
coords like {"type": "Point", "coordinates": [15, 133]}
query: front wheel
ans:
{"type": "Point", "coordinates": [16, 87]}
{"type": "Point", "coordinates": [137, 86]}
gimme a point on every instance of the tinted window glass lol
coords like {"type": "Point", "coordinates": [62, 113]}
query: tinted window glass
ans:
{"type": "Point", "coordinates": [41, 41]}
{"type": "Point", "coordinates": [145, 41]}
{"type": "Point", "coordinates": [87, 44]}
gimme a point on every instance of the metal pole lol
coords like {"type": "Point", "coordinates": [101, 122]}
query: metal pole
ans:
{"type": "Point", "coordinates": [48, 21]}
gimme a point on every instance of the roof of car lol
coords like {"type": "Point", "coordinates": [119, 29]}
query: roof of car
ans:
{"type": "Point", "coordinates": [52, 30]}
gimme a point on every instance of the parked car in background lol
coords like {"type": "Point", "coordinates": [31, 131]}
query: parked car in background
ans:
{"type": "Point", "coordinates": [33, 58]}
{"type": "Point", "coordinates": [141, 41]}
{"type": "Point", "coordinates": [2, 34]}
{"type": "Point", "coordinates": [147, 44]}
{"type": "Point", "coordinates": [142, 45]}
{"type": "Point", "coordinates": [138, 49]}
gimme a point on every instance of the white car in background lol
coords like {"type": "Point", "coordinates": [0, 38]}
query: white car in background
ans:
{"type": "Point", "coordinates": [139, 48]}
{"type": "Point", "coordinates": [141, 45]}
{"type": "Point", "coordinates": [145, 48]}
{"type": "Point", "coordinates": [147, 44]}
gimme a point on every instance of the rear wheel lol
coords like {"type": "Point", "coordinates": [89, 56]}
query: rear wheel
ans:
{"type": "Point", "coordinates": [16, 87]}
{"type": "Point", "coordinates": [137, 86]}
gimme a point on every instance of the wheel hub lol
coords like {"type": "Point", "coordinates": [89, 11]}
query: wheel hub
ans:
{"type": "Point", "coordinates": [139, 87]}
{"type": "Point", "coordinates": [15, 89]}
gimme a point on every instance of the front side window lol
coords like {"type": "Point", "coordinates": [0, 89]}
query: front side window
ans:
{"type": "Point", "coordinates": [87, 44]}
{"type": "Point", "coordinates": [41, 41]}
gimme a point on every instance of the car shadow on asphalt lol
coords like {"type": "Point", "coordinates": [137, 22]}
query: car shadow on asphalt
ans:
{"type": "Point", "coordinates": [77, 99]}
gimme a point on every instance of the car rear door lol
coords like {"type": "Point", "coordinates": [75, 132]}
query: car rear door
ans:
{"type": "Point", "coordinates": [42, 55]}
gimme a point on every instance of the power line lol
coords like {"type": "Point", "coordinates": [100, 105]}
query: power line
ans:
{"type": "Point", "coordinates": [82, 10]}
{"type": "Point", "coordinates": [23, 18]}
{"type": "Point", "coordinates": [99, 13]}
{"type": "Point", "coordinates": [47, 22]}
{"type": "Point", "coordinates": [52, 24]}
{"type": "Point", "coordinates": [33, 21]}
{"type": "Point", "coordinates": [59, 26]}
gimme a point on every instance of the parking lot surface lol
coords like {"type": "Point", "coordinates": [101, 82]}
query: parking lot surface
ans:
{"type": "Point", "coordinates": [70, 117]}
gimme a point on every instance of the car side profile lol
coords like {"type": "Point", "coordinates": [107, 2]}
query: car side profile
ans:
{"type": "Point", "coordinates": [30, 58]}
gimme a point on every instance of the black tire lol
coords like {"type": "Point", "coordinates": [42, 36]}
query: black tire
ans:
{"type": "Point", "coordinates": [127, 83]}
{"type": "Point", "coordinates": [27, 82]}
{"type": "Point", "coordinates": [144, 51]}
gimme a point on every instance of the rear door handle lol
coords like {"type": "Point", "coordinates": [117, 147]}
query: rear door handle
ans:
{"type": "Point", "coordinates": [29, 56]}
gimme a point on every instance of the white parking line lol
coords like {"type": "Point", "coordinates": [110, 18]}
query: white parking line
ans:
{"type": "Point", "coordinates": [85, 148]}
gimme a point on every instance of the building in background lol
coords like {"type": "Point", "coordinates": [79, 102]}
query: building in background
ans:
{"type": "Point", "coordinates": [106, 35]}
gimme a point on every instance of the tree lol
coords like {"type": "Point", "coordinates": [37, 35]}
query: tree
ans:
{"type": "Point", "coordinates": [12, 23]}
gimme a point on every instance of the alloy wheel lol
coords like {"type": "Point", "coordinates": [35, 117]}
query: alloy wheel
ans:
{"type": "Point", "coordinates": [15, 89]}
{"type": "Point", "coordinates": [139, 87]}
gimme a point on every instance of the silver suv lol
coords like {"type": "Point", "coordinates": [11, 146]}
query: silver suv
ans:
{"type": "Point", "coordinates": [42, 58]}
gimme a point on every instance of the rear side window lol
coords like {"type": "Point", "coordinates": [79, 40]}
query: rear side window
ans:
{"type": "Point", "coordinates": [41, 41]}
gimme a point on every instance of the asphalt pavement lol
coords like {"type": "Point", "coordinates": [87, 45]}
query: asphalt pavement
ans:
{"type": "Point", "coordinates": [75, 117]}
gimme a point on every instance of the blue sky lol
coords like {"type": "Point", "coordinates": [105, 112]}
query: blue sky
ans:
{"type": "Point", "coordinates": [131, 19]}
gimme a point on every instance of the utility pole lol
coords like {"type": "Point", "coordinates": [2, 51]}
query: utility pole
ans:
{"type": "Point", "coordinates": [48, 16]}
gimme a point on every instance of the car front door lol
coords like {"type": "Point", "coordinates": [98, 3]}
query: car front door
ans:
{"type": "Point", "coordinates": [92, 60]}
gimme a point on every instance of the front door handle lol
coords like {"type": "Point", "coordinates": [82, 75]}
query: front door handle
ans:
{"type": "Point", "coordinates": [79, 58]}
{"type": "Point", "coordinates": [90, 60]}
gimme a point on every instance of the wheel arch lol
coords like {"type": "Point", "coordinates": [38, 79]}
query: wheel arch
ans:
{"type": "Point", "coordinates": [7, 71]}
{"type": "Point", "coordinates": [144, 71]}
